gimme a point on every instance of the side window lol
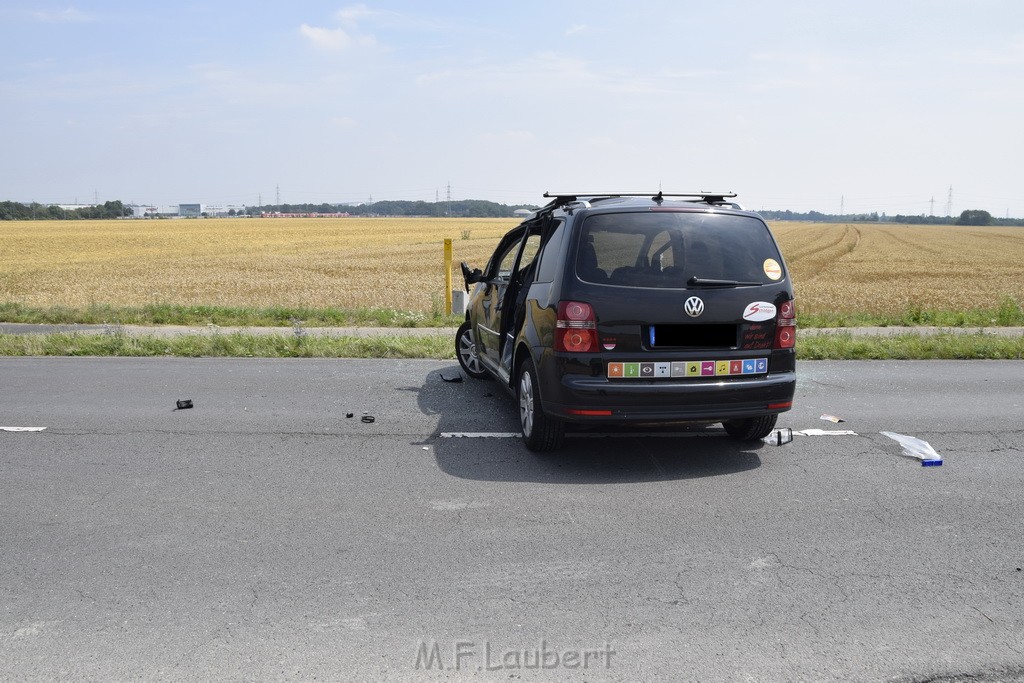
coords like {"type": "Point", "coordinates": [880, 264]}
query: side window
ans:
{"type": "Point", "coordinates": [508, 260]}
{"type": "Point", "coordinates": [504, 258]}
{"type": "Point", "coordinates": [530, 250]}
{"type": "Point", "coordinates": [549, 257]}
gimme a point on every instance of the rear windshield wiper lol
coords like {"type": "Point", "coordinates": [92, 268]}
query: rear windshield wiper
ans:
{"type": "Point", "coordinates": [708, 282]}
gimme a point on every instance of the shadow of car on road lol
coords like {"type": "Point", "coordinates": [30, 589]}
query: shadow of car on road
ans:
{"type": "Point", "coordinates": [588, 456]}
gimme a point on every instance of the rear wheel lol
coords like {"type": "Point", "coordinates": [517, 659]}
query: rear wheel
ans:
{"type": "Point", "coordinates": [751, 429]}
{"type": "Point", "coordinates": [465, 349]}
{"type": "Point", "coordinates": [540, 432]}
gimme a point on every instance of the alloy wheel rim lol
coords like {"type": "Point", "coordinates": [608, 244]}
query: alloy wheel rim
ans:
{"type": "Point", "coordinates": [467, 351]}
{"type": "Point", "coordinates": [526, 403]}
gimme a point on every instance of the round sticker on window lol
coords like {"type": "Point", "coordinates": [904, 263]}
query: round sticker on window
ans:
{"type": "Point", "coordinates": [772, 269]}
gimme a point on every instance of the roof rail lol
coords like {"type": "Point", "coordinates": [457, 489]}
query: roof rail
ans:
{"type": "Point", "coordinates": [714, 198]}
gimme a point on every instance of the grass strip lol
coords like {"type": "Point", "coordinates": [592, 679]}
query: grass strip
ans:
{"type": "Point", "coordinates": [942, 346]}
{"type": "Point", "coordinates": [1008, 313]}
{"type": "Point", "coordinates": [826, 347]}
{"type": "Point", "coordinates": [224, 316]}
{"type": "Point", "coordinates": [227, 346]}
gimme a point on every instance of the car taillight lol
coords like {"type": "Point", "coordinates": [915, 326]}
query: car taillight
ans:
{"type": "Point", "coordinates": [576, 328]}
{"type": "Point", "coordinates": [785, 326]}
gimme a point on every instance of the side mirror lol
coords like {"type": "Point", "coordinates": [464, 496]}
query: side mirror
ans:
{"type": "Point", "coordinates": [471, 277]}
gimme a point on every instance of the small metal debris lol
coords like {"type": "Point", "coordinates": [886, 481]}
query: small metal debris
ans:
{"type": "Point", "coordinates": [779, 436]}
{"type": "Point", "coordinates": [184, 404]}
{"type": "Point", "coordinates": [457, 378]}
{"type": "Point", "coordinates": [832, 418]}
{"type": "Point", "coordinates": [348, 415]}
{"type": "Point", "coordinates": [368, 419]}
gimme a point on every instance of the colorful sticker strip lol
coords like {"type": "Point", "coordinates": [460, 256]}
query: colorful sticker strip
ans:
{"type": "Point", "coordinates": [688, 369]}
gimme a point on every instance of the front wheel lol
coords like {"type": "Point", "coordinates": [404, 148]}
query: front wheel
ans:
{"type": "Point", "coordinates": [540, 432]}
{"type": "Point", "coordinates": [465, 349]}
{"type": "Point", "coordinates": [752, 428]}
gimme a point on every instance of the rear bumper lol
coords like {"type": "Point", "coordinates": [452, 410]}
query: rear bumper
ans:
{"type": "Point", "coordinates": [579, 398]}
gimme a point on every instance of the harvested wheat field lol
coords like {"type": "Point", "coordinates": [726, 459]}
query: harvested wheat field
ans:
{"type": "Point", "coordinates": [313, 262]}
{"type": "Point", "coordinates": [895, 268]}
{"type": "Point", "coordinates": [397, 263]}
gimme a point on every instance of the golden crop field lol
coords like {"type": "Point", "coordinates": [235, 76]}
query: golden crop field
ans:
{"type": "Point", "coordinates": [881, 268]}
{"type": "Point", "coordinates": [397, 263]}
{"type": "Point", "coordinates": [315, 262]}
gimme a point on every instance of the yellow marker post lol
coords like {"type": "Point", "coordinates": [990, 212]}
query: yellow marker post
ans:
{"type": "Point", "coordinates": [448, 276]}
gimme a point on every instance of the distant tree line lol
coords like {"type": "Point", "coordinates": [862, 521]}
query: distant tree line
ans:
{"type": "Point", "coordinates": [967, 217]}
{"type": "Point", "coordinates": [463, 208]}
{"type": "Point", "coordinates": [818, 217]}
{"type": "Point", "coordinates": [473, 208]}
{"type": "Point", "coordinates": [13, 211]}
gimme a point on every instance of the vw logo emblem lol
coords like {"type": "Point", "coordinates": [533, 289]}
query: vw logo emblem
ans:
{"type": "Point", "coordinates": [694, 306]}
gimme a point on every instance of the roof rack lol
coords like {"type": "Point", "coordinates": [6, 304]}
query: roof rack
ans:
{"type": "Point", "coordinates": [714, 198]}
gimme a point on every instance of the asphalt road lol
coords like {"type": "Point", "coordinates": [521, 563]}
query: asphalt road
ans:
{"type": "Point", "coordinates": [264, 535]}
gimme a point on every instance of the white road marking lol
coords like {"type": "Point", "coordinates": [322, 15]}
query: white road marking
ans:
{"type": "Point", "coordinates": [22, 429]}
{"type": "Point", "coordinates": [584, 435]}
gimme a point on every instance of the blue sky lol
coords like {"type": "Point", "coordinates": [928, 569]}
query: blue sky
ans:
{"type": "Point", "coordinates": [880, 106]}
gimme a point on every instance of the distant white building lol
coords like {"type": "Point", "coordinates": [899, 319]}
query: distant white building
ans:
{"type": "Point", "coordinates": [222, 210]}
{"type": "Point", "coordinates": [153, 210]}
{"type": "Point", "coordinates": [217, 210]}
{"type": "Point", "coordinates": [143, 210]}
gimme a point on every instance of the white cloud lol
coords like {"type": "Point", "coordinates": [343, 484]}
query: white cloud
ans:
{"type": "Point", "coordinates": [326, 38]}
{"type": "Point", "coordinates": [69, 15]}
{"type": "Point", "coordinates": [347, 35]}
{"type": "Point", "coordinates": [360, 13]}
{"type": "Point", "coordinates": [353, 13]}
{"type": "Point", "coordinates": [334, 39]}
{"type": "Point", "coordinates": [576, 29]}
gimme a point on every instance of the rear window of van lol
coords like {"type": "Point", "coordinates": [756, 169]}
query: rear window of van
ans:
{"type": "Point", "coordinates": [667, 249]}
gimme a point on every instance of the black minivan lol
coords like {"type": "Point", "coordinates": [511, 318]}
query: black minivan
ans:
{"type": "Point", "coordinates": [635, 309]}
